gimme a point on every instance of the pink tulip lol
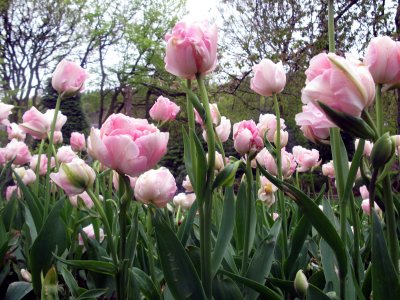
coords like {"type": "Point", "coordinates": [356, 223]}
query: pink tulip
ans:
{"type": "Point", "coordinates": [87, 201]}
{"type": "Point", "coordinates": [266, 191]}
{"type": "Point", "coordinates": [328, 169]}
{"type": "Point", "coordinates": [57, 138]}
{"type": "Point", "coordinates": [367, 209]}
{"type": "Point", "coordinates": [266, 159]}
{"type": "Point", "coordinates": [306, 159]}
{"type": "Point", "coordinates": [17, 151]}
{"type": "Point", "coordinates": [269, 78]}
{"type": "Point", "coordinates": [187, 185]}
{"type": "Point", "coordinates": [74, 177]}
{"type": "Point", "coordinates": [164, 110]}
{"type": "Point", "coordinates": [89, 231]}
{"type": "Point", "coordinates": [43, 163]}
{"type": "Point", "coordinates": [284, 138]}
{"type": "Point", "coordinates": [3, 159]}
{"type": "Point", "coordinates": [267, 125]}
{"type": "Point", "coordinates": [367, 147]}
{"type": "Point", "coordinates": [191, 48]}
{"type": "Point", "coordinates": [27, 176]}
{"type": "Point", "coordinates": [13, 191]}
{"type": "Point", "coordinates": [364, 192]}
{"type": "Point", "coordinates": [127, 145]}
{"type": "Point", "coordinates": [5, 111]}
{"type": "Point", "coordinates": [223, 130]}
{"type": "Point", "coordinates": [219, 162]}
{"type": "Point", "coordinates": [246, 137]}
{"type": "Point", "coordinates": [38, 125]}
{"type": "Point", "coordinates": [275, 216]}
{"type": "Point", "coordinates": [342, 84]}
{"type": "Point", "coordinates": [185, 201]}
{"type": "Point", "coordinates": [215, 115]}
{"type": "Point", "coordinates": [155, 186]}
{"type": "Point", "coordinates": [68, 78]}
{"type": "Point", "coordinates": [77, 141]}
{"type": "Point", "coordinates": [14, 132]}
{"type": "Point", "coordinates": [314, 124]}
{"type": "Point", "coordinates": [383, 60]}
{"type": "Point", "coordinates": [65, 154]}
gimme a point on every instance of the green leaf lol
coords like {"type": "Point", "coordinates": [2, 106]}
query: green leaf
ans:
{"type": "Point", "coordinates": [261, 262]}
{"type": "Point", "coordinates": [227, 176]}
{"type": "Point", "coordinates": [316, 217]}
{"type": "Point", "coordinates": [260, 288]}
{"type": "Point", "coordinates": [241, 207]}
{"type": "Point", "coordinates": [179, 272]}
{"type": "Point", "coordinates": [92, 294]}
{"type": "Point", "coordinates": [50, 286]}
{"type": "Point", "coordinates": [101, 267]}
{"type": "Point", "coordinates": [145, 284]}
{"type": "Point", "coordinates": [187, 224]}
{"type": "Point", "coordinates": [314, 293]}
{"type": "Point", "coordinates": [70, 281]}
{"type": "Point", "coordinates": [51, 237]}
{"type": "Point", "coordinates": [226, 288]}
{"type": "Point", "coordinates": [200, 169]}
{"type": "Point", "coordinates": [385, 281]}
{"type": "Point", "coordinates": [131, 240]}
{"type": "Point", "coordinates": [225, 231]}
{"type": "Point", "coordinates": [299, 236]}
{"type": "Point", "coordinates": [18, 290]}
{"type": "Point", "coordinates": [355, 126]}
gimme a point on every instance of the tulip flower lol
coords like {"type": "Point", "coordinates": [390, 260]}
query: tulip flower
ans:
{"type": "Point", "coordinates": [89, 231]}
{"type": "Point", "coordinates": [191, 48]}
{"type": "Point", "coordinates": [127, 145]}
{"type": "Point", "coordinates": [306, 159]}
{"type": "Point", "coordinates": [155, 186]}
{"type": "Point", "coordinates": [164, 110]}
{"type": "Point", "coordinates": [187, 185]}
{"type": "Point", "coordinates": [246, 137]}
{"type": "Point", "coordinates": [269, 78]}
{"type": "Point", "coordinates": [13, 191]}
{"type": "Point", "coordinates": [77, 141]}
{"type": "Point", "coordinates": [5, 111]}
{"type": "Point", "coordinates": [43, 163]}
{"type": "Point", "coordinates": [14, 132]}
{"type": "Point", "coordinates": [27, 176]}
{"type": "Point", "coordinates": [328, 169]}
{"type": "Point", "coordinates": [65, 154]}
{"type": "Point", "coordinates": [185, 201]}
{"type": "Point", "coordinates": [266, 159]}
{"type": "Point", "coordinates": [382, 59]}
{"type": "Point", "coordinates": [367, 147]}
{"type": "Point", "coordinates": [84, 197]}
{"type": "Point", "coordinates": [267, 125]}
{"type": "Point", "coordinates": [342, 84]}
{"type": "Point", "coordinates": [74, 177]}
{"type": "Point", "coordinates": [68, 78]}
{"type": "Point", "coordinates": [18, 152]}
{"type": "Point", "coordinates": [266, 191]}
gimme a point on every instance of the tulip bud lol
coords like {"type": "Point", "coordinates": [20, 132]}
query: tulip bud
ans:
{"type": "Point", "coordinates": [284, 137]}
{"type": "Point", "coordinates": [26, 275]}
{"type": "Point", "coordinates": [74, 177]}
{"type": "Point", "coordinates": [382, 151]}
{"type": "Point", "coordinates": [301, 284]}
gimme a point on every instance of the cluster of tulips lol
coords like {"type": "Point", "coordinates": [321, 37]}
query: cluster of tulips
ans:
{"type": "Point", "coordinates": [125, 220]}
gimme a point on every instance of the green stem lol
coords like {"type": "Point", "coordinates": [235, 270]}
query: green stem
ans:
{"type": "Point", "coordinates": [150, 249]}
{"type": "Point", "coordinates": [379, 109]}
{"type": "Point", "coordinates": [391, 222]}
{"type": "Point", "coordinates": [110, 239]}
{"type": "Point", "coordinates": [331, 26]}
{"type": "Point", "coordinates": [178, 215]}
{"type": "Point", "coordinates": [205, 219]}
{"type": "Point", "coordinates": [247, 227]}
{"type": "Point", "coordinates": [281, 198]}
{"type": "Point", "coordinates": [37, 171]}
{"type": "Point", "coordinates": [49, 150]}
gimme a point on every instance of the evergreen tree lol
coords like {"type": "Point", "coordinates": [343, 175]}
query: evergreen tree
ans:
{"type": "Point", "coordinates": [70, 107]}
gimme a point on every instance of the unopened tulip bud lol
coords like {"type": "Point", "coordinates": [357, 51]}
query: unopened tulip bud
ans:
{"type": "Point", "coordinates": [284, 137]}
{"type": "Point", "coordinates": [74, 177]}
{"type": "Point", "coordinates": [26, 275]}
{"type": "Point", "coordinates": [382, 151]}
{"type": "Point", "coordinates": [301, 284]}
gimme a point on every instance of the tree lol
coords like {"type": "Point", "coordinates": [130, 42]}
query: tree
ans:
{"type": "Point", "coordinates": [33, 34]}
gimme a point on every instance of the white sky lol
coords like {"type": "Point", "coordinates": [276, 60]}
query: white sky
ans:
{"type": "Point", "coordinates": [203, 8]}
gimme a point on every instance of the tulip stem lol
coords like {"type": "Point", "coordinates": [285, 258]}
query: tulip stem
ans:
{"type": "Point", "coordinates": [49, 150]}
{"type": "Point", "coordinates": [379, 109]}
{"type": "Point", "coordinates": [281, 198]}
{"type": "Point", "coordinates": [100, 210]}
{"type": "Point", "coordinates": [206, 218]}
{"type": "Point", "coordinates": [249, 189]}
{"type": "Point", "coordinates": [37, 169]}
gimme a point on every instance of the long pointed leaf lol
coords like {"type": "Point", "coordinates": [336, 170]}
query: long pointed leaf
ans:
{"type": "Point", "coordinates": [179, 272]}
